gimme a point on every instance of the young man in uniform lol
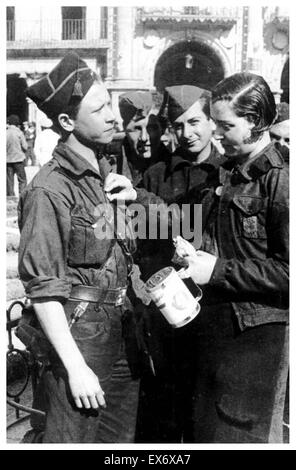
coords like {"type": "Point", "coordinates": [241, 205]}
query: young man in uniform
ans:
{"type": "Point", "coordinates": [142, 147]}
{"type": "Point", "coordinates": [75, 279]}
{"type": "Point", "coordinates": [192, 165]}
{"type": "Point", "coordinates": [188, 110]}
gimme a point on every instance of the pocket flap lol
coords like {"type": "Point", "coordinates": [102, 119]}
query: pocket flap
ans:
{"type": "Point", "coordinates": [249, 205]}
{"type": "Point", "coordinates": [80, 216]}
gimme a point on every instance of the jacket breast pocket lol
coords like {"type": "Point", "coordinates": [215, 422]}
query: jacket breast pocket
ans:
{"type": "Point", "coordinates": [85, 248]}
{"type": "Point", "coordinates": [251, 211]}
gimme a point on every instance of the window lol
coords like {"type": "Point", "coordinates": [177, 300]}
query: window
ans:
{"type": "Point", "coordinates": [191, 10]}
{"type": "Point", "coordinates": [73, 23]}
{"type": "Point", "coordinates": [104, 22]}
{"type": "Point", "coordinates": [10, 24]}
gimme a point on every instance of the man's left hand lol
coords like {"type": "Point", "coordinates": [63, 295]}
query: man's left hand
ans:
{"type": "Point", "coordinates": [122, 185]}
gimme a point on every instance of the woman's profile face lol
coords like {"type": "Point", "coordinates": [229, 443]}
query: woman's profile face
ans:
{"type": "Point", "coordinates": [234, 132]}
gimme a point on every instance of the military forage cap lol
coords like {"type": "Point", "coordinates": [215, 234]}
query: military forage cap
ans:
{"type": "Point", "coordinates": [70, 78]}
{"type": "Point", "coordinates": [180, 98]}
{"type": "Point", "coordinates": [134, 103]}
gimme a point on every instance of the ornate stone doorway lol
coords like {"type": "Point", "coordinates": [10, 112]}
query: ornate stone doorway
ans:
{"type": "Point", "coordinates": [16, 98]}
{"type": "Point", "coordinates": [191, 63]}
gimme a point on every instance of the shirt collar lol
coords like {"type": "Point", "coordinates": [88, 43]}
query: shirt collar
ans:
{"type": "Point", "coordinates": [76, 164]}
{"type": "Point", "coordinates": [260, 164]}
{"type": "Point", "coordinates": [179, 159]}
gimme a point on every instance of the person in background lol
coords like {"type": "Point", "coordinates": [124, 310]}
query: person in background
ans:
{"type": "Point", "coordinates": [164, 398]}
{"type": "Point", "coordinates": [141, 146]}
{"type": "Point", "coordinates": [239, 341]}
{"type": "Point", "coordinates": [76, 279]}
{"type": "Point", "coordinates": [16, 146]}
{"type": "Point", "coordinates": [280, 130]}
{"type": "Point", "coordinates": [187, 109]}
{"type": "Point", "coordinates": [45, 141]}
{"type": "Point", "coordinates": [188, 112]}
{"type": "Point", "coordinates": [30, 135]}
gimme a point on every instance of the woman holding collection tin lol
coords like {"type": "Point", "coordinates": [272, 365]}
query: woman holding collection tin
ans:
{"type": "Point", "coordinates": [239, 340]}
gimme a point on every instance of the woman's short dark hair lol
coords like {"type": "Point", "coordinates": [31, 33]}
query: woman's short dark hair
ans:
{"type": "Point", "coordinates": [250, 97]}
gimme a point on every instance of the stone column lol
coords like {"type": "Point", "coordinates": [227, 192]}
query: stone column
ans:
{"type": "Point", "coordinates": [255, 39]}
{"type": "Point", "coordinates": [124, 42]}
{"type": "Point", "coordinates": [32, 110]}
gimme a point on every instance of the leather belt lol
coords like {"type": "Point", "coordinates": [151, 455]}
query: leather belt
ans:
{"type": "Point", "coordinates": [109, 296]}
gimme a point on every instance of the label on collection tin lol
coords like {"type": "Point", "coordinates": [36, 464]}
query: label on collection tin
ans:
{"type": "Point", "coordinates": [172, 297]}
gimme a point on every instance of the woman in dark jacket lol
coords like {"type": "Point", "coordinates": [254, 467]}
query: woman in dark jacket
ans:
{"type": "Point", "coordinates": [239, 341]}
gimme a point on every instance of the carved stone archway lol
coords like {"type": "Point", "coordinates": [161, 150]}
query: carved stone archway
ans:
{"type": "Point", "coordinates": [193, 62]}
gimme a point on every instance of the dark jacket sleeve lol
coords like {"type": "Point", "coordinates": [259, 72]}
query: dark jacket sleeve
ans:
{"type": "Point", "coordinates": [156, 250]}
{"type": "Point", "coordinates": [149, 180]}
{"type": "Point", "coordinates": [44, 224]}
{"type": "Point", "coordinates": [146, 198]}
{"type": "Point", "coordinates": [260, 280]}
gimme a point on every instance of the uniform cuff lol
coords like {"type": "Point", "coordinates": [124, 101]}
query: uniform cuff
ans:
{"type": "Point", "coordinates": [218, 275]}
{"type": "Point", "coordinates": [48, 288]}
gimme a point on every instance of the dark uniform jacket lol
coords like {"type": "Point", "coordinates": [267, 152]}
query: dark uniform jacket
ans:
{"type": "Point", "coordinates": [171, 180]}
{"type": "Point", "coordinates": [246, 224]}
{"type": "Point", "coordinates": [59, 247]}
{"type": "Point", "coordinates": [175, 176]}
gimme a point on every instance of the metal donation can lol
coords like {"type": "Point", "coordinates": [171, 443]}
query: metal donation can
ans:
{"type": "Point", "coordinates": [172, 297]}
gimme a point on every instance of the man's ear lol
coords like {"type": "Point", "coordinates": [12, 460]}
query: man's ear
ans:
{"type": "Point", "coordinates": [66, 122]}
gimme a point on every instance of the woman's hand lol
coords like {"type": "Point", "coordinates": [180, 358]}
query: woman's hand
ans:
{"type": "Point", "coordinates": [200, 264]}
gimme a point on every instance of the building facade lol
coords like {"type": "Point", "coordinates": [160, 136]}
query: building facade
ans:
{"type": "Point", "coordinates": [146, 48]}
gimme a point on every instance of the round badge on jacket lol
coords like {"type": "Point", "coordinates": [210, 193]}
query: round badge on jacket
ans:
{"type": "Point", "coordinates": [218, 190]}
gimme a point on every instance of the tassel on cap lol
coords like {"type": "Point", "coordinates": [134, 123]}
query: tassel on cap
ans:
{"type": "Point", "coordinates": [77, 90]}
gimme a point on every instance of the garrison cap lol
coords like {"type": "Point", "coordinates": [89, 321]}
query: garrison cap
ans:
{"type": "Point", "coordinates": [180, 98]}
{"type": "Point", "coordinates": [134, 103]}
{"type": "Point", "coordinates": [70, 78]}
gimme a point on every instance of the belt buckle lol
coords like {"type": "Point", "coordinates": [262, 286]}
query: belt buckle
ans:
{"type": "Point", "coordinates": [120, 297]}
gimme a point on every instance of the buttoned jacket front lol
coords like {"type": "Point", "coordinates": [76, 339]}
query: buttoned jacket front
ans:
{"type": "Point", "coordinates": [172, 178]}
{"type": "Point", "coordinates": [59, 245]}
{"type": "Point", "coordinates": [251, 230]}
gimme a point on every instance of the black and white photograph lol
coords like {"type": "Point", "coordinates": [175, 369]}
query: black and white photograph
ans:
{"type": "Point", "coordinates": [147, 227]}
